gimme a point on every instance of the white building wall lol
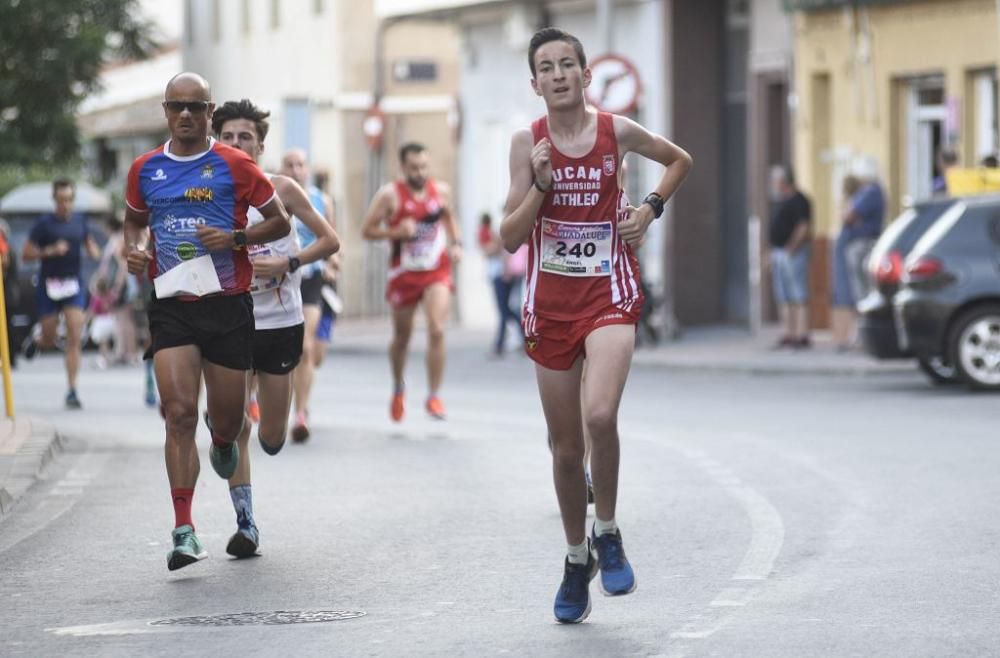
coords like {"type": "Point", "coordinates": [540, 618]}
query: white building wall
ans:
{"type": "Point", "coordinates": [296, 59]}
{"type": "Point", "coordinates": [497, 99]}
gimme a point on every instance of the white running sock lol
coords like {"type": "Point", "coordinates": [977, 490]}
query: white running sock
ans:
{"type": "Point", "coordinates": [580, 553]}
{"type": "Point", "coordinates": [605, 527]}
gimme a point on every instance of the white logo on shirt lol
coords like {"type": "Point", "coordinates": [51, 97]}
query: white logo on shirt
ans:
{"type": "Point", "coordinates": [159, 175]}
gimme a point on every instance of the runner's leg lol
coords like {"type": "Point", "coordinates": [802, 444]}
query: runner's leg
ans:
{"type": "Point", "coordinates": [49, 324]}
{"type": "Point", "coordinates": [609, 357]}
{"type": "Point", "coordinates": [226, 391]}
{"type": "Point", "coordinates": [178, 378]}
{"type": "Point", "coordinates": [305, 372]}
{"type": "Point", "coordinates": [274, 395]}
{"type": "Point", "coordinates": [560, 394]}
{"type": "Point", "coordinates": [74, 327]}
{"type": "Point", "coordinates": [402, 329]}
{"type": "Point", "coordinates": [437, 303]}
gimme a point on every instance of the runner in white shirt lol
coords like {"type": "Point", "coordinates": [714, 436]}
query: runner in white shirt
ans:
{"type": "Point", "coordinates": [277, 310]}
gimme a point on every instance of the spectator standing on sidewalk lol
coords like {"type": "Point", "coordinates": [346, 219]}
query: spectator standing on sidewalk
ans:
{"type": "Point", "coordinates": [502, 281]}
{"type": "Point", "coordinates": [862, 223]}
{"type": "Point", "coordinates": [789, 236]}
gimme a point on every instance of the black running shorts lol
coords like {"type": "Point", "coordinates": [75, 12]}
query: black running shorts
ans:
{"type": "Point", "coordinates": [312, 288]}
{"type": "Point", "coordinates": [277, 351]}
{"type": "Point", "coordinates": [220, 326]}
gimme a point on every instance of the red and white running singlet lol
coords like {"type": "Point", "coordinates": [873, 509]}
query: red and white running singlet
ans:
{"type": "Point", "coordinates": [578, 266]}
{"type": "Point", "coordinates": [428, 251]}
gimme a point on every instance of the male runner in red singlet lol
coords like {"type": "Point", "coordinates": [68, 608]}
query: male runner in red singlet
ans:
{"type": "Point", "coordinates": [415, 215]}
{"type": "Point", "coordinates": [583, 296]}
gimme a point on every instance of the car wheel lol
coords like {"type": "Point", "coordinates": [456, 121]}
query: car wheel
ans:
{"type": "Point", "coordinates": [974, 345]}
{"type": "Point", "coordinates": [937, 370]}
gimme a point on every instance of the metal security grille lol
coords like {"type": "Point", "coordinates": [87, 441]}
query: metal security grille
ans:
{"type": "Point", "coordinates": [277, 617]}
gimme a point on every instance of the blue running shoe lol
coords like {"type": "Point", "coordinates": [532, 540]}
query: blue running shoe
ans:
{"type": "Point", "coordinates": [573, 598]}
{"type": "Point", "coordinates": [246, 540]}
{"type": "Point", "coordinates": [617, 577]}
{"type": "Point", "coordinates": [187, 549]}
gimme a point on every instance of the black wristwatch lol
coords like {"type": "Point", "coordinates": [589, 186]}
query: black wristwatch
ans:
{"type": "Point", "coordinates": [655, 202]}
{"type": "Point", "coordinates": [293, 264]}
{"type": "Point", "coordinates": [239, 240]}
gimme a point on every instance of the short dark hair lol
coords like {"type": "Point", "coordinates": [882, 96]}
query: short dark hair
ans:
{"type": "Point", "coordinates": [410, 147]}
{"type": "Point", "coordinates": [243, 109]}
{"type": "Point", "coordinates": [62, 182]}
{"type": "Point", "coordinates": [548, 34]}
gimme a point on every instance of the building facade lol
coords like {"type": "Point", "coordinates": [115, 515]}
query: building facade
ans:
{"type": "Point", "coordinates": [315, 65]}
{"type": "Point", "coordinates": [888, 84]}
{"type": "Point", "coordinates": [708, 72]}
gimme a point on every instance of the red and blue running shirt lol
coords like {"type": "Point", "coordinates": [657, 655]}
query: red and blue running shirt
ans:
{"type": "Point", "coordinates": [181, 193]}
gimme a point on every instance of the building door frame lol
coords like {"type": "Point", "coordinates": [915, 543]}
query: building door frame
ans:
{"type": "Point", "coordinates": [924, 134]}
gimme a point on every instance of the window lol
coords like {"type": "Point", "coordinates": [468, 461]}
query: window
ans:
{"type": "Point", "coordinates": [985, 115]}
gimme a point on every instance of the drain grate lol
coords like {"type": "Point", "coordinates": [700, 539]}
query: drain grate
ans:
{"type": "Point", "coordinates": [262, 618]}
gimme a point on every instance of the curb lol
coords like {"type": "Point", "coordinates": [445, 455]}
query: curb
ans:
{"type": "Point", "coordinates": [18, 472]}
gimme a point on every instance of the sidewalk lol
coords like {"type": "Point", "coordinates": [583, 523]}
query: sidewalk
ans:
{"type": "Point", "coordinates": [712, 349]}
{"type": "Point", "coordinates": [26, 446]}
{"type": "Point", "coordinates": [736, 350]}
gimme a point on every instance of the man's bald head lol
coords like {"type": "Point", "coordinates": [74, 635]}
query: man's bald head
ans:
{"type": "Point", "coordinates": [295, 164]}
{"type": "Point", "coordinates": [188, 107]}
{"type": "Point", "coordinates": [188, 86]}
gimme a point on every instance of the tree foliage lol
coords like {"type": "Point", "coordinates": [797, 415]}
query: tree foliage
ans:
{"type": "Point", "coordinates": [51, 55]}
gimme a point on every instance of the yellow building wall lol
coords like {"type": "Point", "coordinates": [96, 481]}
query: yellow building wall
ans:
{"type": "Point", "coordinates": [865, 113]}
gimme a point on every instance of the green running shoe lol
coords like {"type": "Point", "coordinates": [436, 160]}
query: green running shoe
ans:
{"type": "Point", "coordinates": [225, 460]}
{"type": "Point", "coordinates": [187, 548]}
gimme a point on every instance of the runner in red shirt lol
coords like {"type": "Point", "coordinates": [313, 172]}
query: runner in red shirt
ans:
{"type": "Point", "coordinates": [414, 214]}
{"type": "Point", "coordinates": [583, 296]}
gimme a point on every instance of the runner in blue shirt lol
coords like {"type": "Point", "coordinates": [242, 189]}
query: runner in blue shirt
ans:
{"type": "Point", "coordinates": [193, 194]}
{"type": "Point", "coordinates": [56, 240]}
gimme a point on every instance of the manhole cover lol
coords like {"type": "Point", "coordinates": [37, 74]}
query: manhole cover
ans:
{"type": "Point", "coordinates": [265, 618]}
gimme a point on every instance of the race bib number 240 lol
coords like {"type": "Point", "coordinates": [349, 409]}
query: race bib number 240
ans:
{"type": "Point", "coordinates": [576, 248]}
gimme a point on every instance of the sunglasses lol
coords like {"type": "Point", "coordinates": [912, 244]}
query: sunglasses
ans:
{"type": "Point", "coordinates": [194, 107]}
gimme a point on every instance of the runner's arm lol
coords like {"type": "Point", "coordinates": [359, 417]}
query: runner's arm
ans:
{"type": "Point", "coordinates": [450, 223]}
{"type": "Point", "coordinates": [275, 225]}
{"type": "Point", "coordinates": [379, 212]}
{"type": "Point", "coordinates": [524, 198]}
{"type": "Point", "coordinates": [635, 139]}
{"type": "Point", "coordinates": [298, 204]}
{"type": "Point", "coordinates": [92, 249]}
{"type": "Point", "coordinates": [136, 232]}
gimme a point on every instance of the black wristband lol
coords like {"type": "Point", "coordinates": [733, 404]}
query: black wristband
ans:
{"type": "Point", "coordinates": [655, 201]}
{"type": "Point", "coordinates": [540, 188]}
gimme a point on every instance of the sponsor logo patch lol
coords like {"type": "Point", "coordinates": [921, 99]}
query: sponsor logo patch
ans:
{"type": "Point", "coordinates": [609, 165]}
{"type": "Point", "coordinates": [199, 194]}
{"type": "Point", "coordinates": [159, 175]}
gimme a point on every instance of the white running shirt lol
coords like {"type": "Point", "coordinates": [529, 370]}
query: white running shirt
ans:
{"type": "Point", "coordinates": [277, 302]}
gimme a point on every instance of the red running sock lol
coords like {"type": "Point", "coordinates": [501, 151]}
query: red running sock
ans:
{"type": "Point", "coordinates": [182, 506]}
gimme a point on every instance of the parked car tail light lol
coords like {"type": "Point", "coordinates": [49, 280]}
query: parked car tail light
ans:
{"type": "Point", "coordinates": [923, 269]}
{"type": "Point", "coordinates": [889, 270]}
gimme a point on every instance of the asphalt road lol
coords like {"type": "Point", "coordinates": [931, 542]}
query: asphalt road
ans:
{"type": "Point", "coordinates": [784, 516]}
